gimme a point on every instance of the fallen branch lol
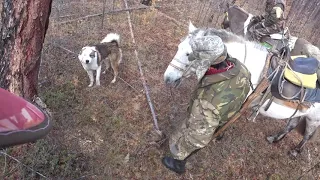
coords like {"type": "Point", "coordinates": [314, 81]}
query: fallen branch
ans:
{"type": "Point", "coordinates": [110, 12]}
{"type": "Point", "coordinates": [155, 121]}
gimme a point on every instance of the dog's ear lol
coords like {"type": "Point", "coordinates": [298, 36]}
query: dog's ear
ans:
{"type": "Point", "coordinates": [81, 51]}
{"type": "Point", "coordinates": [92, 54]}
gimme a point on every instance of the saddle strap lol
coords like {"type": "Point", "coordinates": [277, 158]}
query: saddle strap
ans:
{"type": "Point", "coordinates": [292, 104]}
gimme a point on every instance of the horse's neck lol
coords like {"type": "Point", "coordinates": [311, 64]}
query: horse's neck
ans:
{"type": "Point", "coordinates": [252, 55]}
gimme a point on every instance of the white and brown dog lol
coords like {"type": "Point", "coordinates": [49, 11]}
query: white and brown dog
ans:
{"type": "Point", "coordinates": [107, 51]}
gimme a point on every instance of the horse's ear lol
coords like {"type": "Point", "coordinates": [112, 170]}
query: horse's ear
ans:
{"type": "Point", "coordinates": [191, 27]}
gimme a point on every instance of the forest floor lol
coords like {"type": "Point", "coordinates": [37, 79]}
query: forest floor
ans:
{"type": "Point", "coordinates": [107, 132]}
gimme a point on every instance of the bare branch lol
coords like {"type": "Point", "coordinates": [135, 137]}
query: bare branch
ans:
{"type": "Point", "coordinates": [15, 159]}
{"type": "Point", "coordinates": [110, 12]}
{"type": "Point", "coordinates": [56, 45]}
{"type": "Point", "coordinates": [103, 14]}
{"type": "Point", "coordinates": [146, 88]}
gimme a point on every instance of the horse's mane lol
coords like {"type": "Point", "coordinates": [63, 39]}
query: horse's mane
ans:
{"type": "Point", "coordinates": [226, 36]}
{"type": "Point", "coordinates": [237, 8]}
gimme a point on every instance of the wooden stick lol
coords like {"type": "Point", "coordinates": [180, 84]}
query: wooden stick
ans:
{"type": "Point", "coordinates": [146, 88]}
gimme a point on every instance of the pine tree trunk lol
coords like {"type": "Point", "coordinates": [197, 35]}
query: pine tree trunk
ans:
{"type": "Point", "coordinates": [24, 25]}
{"type": "Point", "coordinates": [303, 19]}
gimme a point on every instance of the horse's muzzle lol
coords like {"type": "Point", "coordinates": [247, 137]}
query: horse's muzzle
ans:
{"type": "Point", "coordinates": [174, 83]}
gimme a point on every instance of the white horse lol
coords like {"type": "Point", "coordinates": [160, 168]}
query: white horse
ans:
{"type": "Point", "coordinates": [253, 56]}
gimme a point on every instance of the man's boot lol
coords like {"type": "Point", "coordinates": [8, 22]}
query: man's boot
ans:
{"type": "Point", "coordinates": [175, 165]}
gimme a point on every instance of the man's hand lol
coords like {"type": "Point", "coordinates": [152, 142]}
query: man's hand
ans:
{"type": "Point", "coordinates": [278, 11]}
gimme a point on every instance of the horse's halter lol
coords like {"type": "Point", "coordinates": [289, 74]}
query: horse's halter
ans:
{"type": "Point", "coordinates": [183, 70]}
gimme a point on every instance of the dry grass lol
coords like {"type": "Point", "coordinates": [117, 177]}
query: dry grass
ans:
{"type": "Point", "coordinates": [105, 132]}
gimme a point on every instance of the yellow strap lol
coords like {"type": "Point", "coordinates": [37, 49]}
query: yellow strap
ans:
{"type": "Point", "coordinates": [294, 57]}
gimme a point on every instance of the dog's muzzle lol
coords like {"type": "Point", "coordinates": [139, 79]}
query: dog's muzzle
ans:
{"type": "Point", "coordinates": [87, 61]}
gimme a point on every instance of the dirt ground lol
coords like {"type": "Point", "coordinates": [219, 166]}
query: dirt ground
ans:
{"type": "Point", "coordinates": [106, 132]}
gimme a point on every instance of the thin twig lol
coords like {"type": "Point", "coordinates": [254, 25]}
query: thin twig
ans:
{"type": "Point", "coordinates": [5, 154]}
{"type": "Point", "coordinates": [110, 12]}
{"type": "Point", "coordinates": [142, 75]}
{"type": "Point", "coordinates": [103, 14]}
{"type": "Point", "coordinates": [313, 167]}
{"type": "Point", "coordinates": [124, 81]}
{"type": "Point", "coordinates": [169, 17]}
{"type": "Point", "coordinates": [65, 16]}
{"type": "Point", "coordinates": [56, 45]}
{"type": "Point", "coordinates": [5, 163]}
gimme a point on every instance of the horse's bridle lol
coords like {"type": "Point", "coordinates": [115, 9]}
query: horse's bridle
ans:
{"type": "Point", "coordinates": [183, 70]}
{"type": "Point", "coordinates": [177, 67]}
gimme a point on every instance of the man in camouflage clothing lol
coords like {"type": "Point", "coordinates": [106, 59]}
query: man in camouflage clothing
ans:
{"type": "Point", "coordinates": [270, 23]}
{"type": "Point", "coordinates": [218, 97]}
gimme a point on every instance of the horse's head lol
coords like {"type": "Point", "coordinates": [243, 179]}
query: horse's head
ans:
{"type": "Point", "coordinates": [195, 55]}
{"type": "Point", "coordinates": [179, 65]}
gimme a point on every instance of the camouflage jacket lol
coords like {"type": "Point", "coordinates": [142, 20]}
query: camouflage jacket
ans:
{"type": "Point", "coordinates": [221, 95]}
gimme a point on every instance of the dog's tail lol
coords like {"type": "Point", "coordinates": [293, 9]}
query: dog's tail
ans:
{"type": "Point", "coordinates": [114, 37]}
{"type": "Point", "coordinates": [111, 37]}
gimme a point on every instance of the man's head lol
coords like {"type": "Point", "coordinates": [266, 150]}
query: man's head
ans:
{"type": "Point", "coordinates": [270, 4]}
{"type": "Point", "coordinates": [206, 51]}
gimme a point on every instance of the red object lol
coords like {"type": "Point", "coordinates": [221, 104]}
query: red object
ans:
{"type": "Point", "coordinates": [213, 70]}
{"type": "Point", "coordinates": [17, 113]}
{"type": "Point", "coordinates": [20, 121]}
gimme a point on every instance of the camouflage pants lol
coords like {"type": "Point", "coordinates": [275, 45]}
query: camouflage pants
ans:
{"type": "Point", "coordinates": [261, 29]}
{"type": "Point", "coordinates": [195, 132]}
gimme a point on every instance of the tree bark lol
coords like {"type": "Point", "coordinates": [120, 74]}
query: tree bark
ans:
{"type": "Point", "coordinates": [303, 19]}
{"type": "Point", "coordinates": [24, 25]}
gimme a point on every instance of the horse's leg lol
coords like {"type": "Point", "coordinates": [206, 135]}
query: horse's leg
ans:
{"type": "Point", "coordinates": [293, 122]}
{"type": "Point", "coordinates": [311, 127]}
{"type": "Point", "coordinates": [225, 23]}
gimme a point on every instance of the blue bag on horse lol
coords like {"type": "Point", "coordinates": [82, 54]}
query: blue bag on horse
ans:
{"type": "Point", "coordinates": [302, 72]}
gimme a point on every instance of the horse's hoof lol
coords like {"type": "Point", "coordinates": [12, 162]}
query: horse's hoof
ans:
{"type": "Point", "coordinates": [271, 139]}
{"type": "Point", "coordinates": [293, 153]}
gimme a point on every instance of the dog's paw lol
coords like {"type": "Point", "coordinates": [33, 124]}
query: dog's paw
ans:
{"type": "Point", "coordinates": [90, 85]}
{"type": "Point", "coordinates": [104, 72]}
{"type": "Point", "coordinates": [113, 81]}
